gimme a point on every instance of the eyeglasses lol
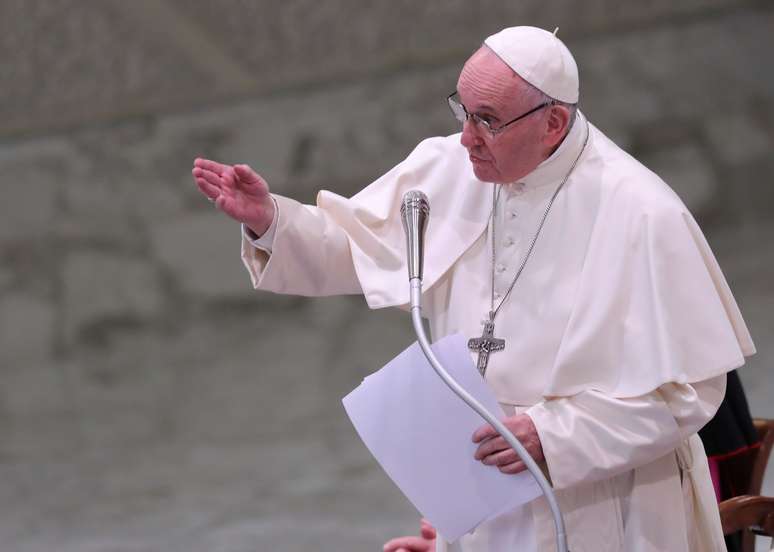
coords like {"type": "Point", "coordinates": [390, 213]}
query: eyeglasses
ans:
{"type": "Point", "coordinates": [461, 114]}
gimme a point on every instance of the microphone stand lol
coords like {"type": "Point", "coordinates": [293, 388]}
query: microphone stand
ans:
{"type": "Point", "coordinates": [414, 211]}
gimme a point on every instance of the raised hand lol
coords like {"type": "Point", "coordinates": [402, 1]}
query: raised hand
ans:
{"type": "Point", "coordinates": [238, 191]}
{"type": "Point", "coordinates": [423, 543]}
{"type": "Point", "coordinates": [495, 451]}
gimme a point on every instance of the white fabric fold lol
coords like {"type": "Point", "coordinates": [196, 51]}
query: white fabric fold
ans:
{"type": "Point", "coordinates": [699, 497]}
{"type": "Point", "coordinates": [439, 167]}
{"type": "Point", "coordinates": [615, 460]}
{"type": "Point", "coordinates": [592, 436]}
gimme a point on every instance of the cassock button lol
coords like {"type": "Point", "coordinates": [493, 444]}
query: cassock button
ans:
{"type": "Point", "coordinates": [496, 294]}
{"type": "Point", "coordinates": [500, 268]}
{"type": "Point", "coordinates": [508, 241]}
{"type": "Point", "coordinates": [512, 214]}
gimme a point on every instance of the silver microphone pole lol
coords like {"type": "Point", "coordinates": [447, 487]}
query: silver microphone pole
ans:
{"type": "Point", "coordinates": [414, 211]}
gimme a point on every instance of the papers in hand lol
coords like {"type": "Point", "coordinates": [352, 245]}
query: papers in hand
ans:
{"type": "Point", "coordinates": [421, 434]}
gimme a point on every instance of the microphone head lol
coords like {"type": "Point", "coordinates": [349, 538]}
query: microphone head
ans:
{"type": "Point", "coordinates": [414, 210]}
{"type": "Point", "coordinates": [414, 202]}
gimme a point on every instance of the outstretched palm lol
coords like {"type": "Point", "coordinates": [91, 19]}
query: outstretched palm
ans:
{"type": "Point", "coordinates": [237, 190]}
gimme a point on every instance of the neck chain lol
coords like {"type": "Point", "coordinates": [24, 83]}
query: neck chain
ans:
{"type": "Point", "coordinates": [487, 343]}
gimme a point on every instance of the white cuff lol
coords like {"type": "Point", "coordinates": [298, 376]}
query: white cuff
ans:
{"type": "Point", "coordinates": [266, 241]}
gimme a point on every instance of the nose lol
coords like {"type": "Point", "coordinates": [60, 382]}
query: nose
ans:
{"type": "Point", "coordinates": [470, 135]}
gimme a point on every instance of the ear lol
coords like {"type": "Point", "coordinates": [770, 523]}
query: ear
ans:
{"type": "Point", "coordinates": [557, 123]}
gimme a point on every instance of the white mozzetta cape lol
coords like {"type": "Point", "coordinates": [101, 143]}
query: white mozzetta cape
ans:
{"type": "Point", "coordinates": [618, 332]}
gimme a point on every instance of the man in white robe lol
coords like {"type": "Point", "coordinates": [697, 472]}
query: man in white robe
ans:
{"type": "Point", "coordinates": [619, 330]}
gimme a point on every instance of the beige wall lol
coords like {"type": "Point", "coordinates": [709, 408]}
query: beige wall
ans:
{"type": "Point", "coordinates": [149, 399]}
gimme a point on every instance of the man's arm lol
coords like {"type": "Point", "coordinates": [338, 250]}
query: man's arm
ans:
{"type": "Point", "coordinates": [308, 254]}
{"type": "Point", "coordinates": [592, 436]}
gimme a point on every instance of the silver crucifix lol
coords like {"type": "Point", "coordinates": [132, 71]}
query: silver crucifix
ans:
{"type": "Point", "coordinates": [486, 344]}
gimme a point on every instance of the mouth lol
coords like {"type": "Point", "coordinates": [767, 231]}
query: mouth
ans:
{"type": "Point", "coordinates": [477, 160]}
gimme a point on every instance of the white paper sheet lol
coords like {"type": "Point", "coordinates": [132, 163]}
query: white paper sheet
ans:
{"type": "Point", "coordinates": [420, 432]}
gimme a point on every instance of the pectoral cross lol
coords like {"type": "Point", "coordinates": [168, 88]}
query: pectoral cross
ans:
{"type": "Point", "coordinates": [486, 344]}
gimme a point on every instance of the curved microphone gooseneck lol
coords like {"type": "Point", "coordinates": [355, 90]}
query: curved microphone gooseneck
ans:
{"type": "Point", "coordinates": [414, 211]}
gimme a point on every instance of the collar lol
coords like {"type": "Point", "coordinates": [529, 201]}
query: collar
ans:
{"type": "Point", "coordinates": [555, 168]}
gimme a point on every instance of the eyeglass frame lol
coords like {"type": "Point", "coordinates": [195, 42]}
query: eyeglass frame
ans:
{"type": "Point", "coordinates": [479, 120]}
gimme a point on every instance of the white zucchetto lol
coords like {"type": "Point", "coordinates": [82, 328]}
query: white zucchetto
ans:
{"type": "Point", "coordinates": [540, 58]}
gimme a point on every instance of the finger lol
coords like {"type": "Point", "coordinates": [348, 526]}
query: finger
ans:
{"type": "Point", "coordinates": [427, 532]}
{"type": "Point", "coordinates": [228, 178]}
{"type": "Point", "coordinates": [423, 523]}
{"type": "Point", "coordinates": [251, 179]}
{"type": "Point", "coordinates": [502, 458]}
{"type": "Point", "coordinates": [516, 467]}
{"type": "Point", "coordinates": [493, 445]}
{"type": "Point", "coordinates": [222, 203]}
{"type": "Point", "coordinates": [210, 165]}
{"type": "Point", "coordinates": [230, 206]}
{"type": "Point", "coordinates": [207, 189]}
{"type": "Point", "coordinates": [483, 433]}
{"type": "Point", "coordinates": [209, 176]}
{"type": "Point", "coordinates": [412, 544]}
{"type": "Point", "coordinates": [246, 174]}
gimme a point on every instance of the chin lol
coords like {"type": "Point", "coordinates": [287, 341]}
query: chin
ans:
{"type": "Point", "coordinates": [484, 174]}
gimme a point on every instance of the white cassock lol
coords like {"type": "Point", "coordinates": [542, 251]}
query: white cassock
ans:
{"type": "Point", "coordinates": [618, 333]}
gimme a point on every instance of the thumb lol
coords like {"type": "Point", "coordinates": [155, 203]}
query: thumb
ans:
{"type": "Point", "coordinates": [426, 530]}
{"type": "Point", "coordinates": [246, 174]}
{"type": "Point", "coordinates": [251, 182]}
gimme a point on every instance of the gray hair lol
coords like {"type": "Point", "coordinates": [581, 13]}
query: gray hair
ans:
{"type": "Point", "coordinates": [537, 97]}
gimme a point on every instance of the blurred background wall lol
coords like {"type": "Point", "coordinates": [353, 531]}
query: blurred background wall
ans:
{"type": "Point", "coordinates": [150, 400]}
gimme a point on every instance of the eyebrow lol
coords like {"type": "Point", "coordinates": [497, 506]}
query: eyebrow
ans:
{"type": "Point", "coordinates": [489, 110]}
{"type": "Point", "coordinates": [485, 108]}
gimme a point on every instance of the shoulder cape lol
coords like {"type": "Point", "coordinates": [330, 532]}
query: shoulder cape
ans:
{"type": "Point", "coordinates": [652, 305]}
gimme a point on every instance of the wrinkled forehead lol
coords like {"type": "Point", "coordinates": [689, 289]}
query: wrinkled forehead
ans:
{"type": "Point", "coordinates": [485, 79]}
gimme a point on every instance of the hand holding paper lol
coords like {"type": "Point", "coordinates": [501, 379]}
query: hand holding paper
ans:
{"type": "Point", "coordinates": [426, 447]}
{"type": "Point", "coordinates": [495, 451]}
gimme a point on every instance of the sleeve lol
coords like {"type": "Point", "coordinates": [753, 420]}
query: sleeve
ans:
{"type": "Point", "coordinates": [310, 254]}
{"type": "Point", "coordinates": [592, 436]}
{"type": "Point", "coordinates": [264, 242]}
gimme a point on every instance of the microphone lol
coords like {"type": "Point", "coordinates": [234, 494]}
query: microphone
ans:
{"type": "Point", "coordinates": [414, 211]}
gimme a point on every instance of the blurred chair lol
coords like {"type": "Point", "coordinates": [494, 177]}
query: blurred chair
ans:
{"type": "Point", "coordinates": [765, 430]}
{"type": "Point", "coordinates": [753, 515]}
{"type": "Point", "coordinates": [743, 474]}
